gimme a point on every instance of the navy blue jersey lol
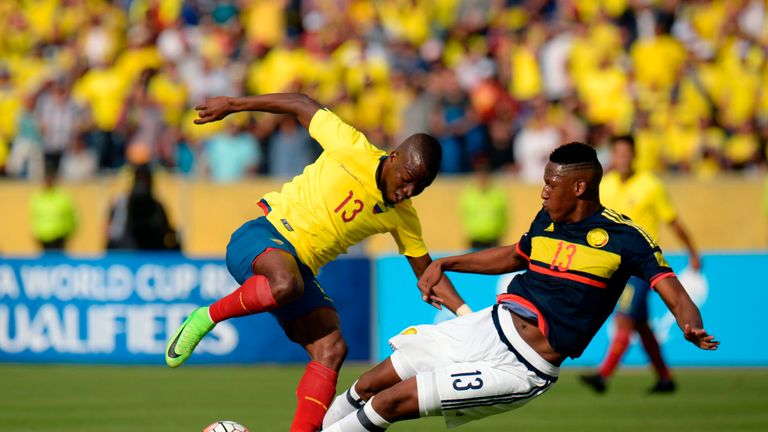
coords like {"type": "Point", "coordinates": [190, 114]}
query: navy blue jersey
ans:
{"type": "Point", "coordinates": [576, 272]}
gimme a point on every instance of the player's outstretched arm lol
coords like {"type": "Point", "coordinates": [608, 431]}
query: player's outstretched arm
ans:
{"type": "Point", "coordinates": [498, 260]}
{"type": "Point", "coordinates": [298, 104]}
{"type": "Point", "coordinates": [686, 313]}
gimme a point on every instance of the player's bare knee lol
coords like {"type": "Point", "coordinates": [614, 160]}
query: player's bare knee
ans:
{"type": "Point", "coordinates": [395, 405]}
{"type": "Point", "coordinates": [366, 387]}
{"type": "Point", "coordinates": [286, 288]}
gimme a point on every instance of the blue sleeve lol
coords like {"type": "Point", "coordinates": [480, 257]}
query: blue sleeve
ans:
{"type": "Point", "coordinates": [646, 259]}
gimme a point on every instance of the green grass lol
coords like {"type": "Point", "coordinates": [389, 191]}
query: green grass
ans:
{"type": "Point", "coordinates": [110, 398]}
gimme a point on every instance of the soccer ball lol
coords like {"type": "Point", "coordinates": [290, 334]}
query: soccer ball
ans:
{"type": "Point", "coordinates": [225, 426]}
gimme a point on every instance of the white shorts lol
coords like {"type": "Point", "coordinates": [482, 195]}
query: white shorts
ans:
{"type": "Point", "coordinates": [471, 367]}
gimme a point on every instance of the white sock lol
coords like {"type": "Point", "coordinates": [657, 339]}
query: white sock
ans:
{"type": "Point", "coordinates": [365, 419]}
{"type": "Point", "coordinates": [372, 416]}
{"type": "Point", "coordinates": [344, 404]}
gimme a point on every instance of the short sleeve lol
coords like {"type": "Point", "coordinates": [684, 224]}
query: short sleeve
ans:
{"type": "Point", "coordinates": [646, 259]}
{"type": "Point", "coordinates": [524, 245]}
{"type": "Point", "coordinates": [407, 234]}
{"type": "Point", "coordinates": [332, 133]}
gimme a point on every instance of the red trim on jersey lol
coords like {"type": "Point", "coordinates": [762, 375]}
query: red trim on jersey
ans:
{"type": "Point", "coordinates": [570, 276]}
{"type": "Point", "coordinates": [519, 251]}
{"type": "Point", "coordinates": [659, 277]}
{"type": "Point", "coordinates": [542, 323]}
{"type": "Point", "coordinates": [264, 207]}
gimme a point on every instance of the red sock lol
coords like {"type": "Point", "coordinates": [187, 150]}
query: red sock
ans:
{"type": "Point", "coordinates": [615, 353]}
{"type": "Point", "coordinates": [315, 393]}
{"type": "Point", "coordinates": [252, 297]}
{"type": "Point", "coordinates": [651, 346]}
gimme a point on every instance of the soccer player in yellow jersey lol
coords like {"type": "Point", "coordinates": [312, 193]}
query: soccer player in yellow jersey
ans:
{"type": "Point", "coordinates": [353, 190]}
{"type": "Point", "coordinates": [642, 197]}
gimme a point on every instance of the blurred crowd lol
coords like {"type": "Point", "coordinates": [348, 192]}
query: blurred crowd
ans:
{"type": "Point", "coordinates": [87, 86]}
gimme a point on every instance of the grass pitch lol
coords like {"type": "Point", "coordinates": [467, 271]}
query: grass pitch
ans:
{"type": "Point", "coordinates": [37, 398]}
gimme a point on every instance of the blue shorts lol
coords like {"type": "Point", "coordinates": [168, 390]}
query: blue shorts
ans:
{"type": "Point", "coordinates": [634, 300]}
{"type": "Point", "coordinates": [256, 237]}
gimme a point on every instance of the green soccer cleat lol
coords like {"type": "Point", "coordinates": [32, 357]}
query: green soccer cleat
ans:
{"type": "Point", "coordinates": [191, 332]}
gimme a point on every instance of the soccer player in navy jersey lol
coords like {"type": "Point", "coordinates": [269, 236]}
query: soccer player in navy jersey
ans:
{"type": "Point", "coordinates": [352, 191]}
{"type": "Point", "coordinates": [578, 256]}
{"type": "Point", "coordinates": [643, 197]}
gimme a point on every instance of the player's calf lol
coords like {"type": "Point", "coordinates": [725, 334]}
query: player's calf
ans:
{"type": "Point", "coordinates": [253, 296]}
{"type": "Point", "coordinates": [315, 393]}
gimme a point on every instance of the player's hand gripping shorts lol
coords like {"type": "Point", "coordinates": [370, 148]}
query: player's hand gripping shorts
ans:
{"type": "Point", "coordinates": [471, 367]}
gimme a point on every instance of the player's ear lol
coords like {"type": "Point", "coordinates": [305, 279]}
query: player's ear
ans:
{"type": "Point", "coordinates": [580, 187]}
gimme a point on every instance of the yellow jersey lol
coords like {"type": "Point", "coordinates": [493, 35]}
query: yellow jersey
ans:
{"type": "Point", "coordinates": [642, 197]}
{"type": "Point", "coordinates": [335, 203]}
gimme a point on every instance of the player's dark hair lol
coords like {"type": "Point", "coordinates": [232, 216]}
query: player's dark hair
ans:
{"type": "Point", "coordinates": [629, 139]}
{"type": "Point", "coordinates": [430, 150]}
{"type": "Point", "coordinates": [574, 153]}
{"type": "Point", "coordinates": [576, 156]}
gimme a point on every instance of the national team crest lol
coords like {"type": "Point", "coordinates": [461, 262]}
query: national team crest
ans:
{"type": "Point", "coordinates": [380, 207]}
{"type": "Point", "coordinates": [597, 237]}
